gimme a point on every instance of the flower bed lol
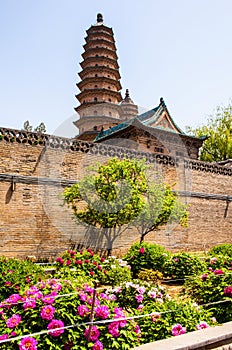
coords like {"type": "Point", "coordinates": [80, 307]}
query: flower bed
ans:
{"type": "Point", "coordinates": [93, 303]}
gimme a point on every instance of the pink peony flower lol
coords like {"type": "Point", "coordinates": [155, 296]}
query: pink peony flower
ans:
{"type": "Point", "coordinates": [68, 346]}
{"type": "Point", "coordinates": [82, 296]}
{"type": "Point", "coordinates": [104, 296]}
{"type": "Point", "coordinates": [83, 310]}
{"type": "Point", "coordinates": [118, 312]}
{"type": "Point", "coordinates": [41, 285]}
{"type": "Point", "coordinates": [60, 260]}
{"type": "Point", "coordinates": [139, 298]}
{"type": "Point", "coordinates": [29, 303]}
{"type": "Point", "coordinates": [202, 325]}
{"type": "Point", "coordinates": [178, 329]}
{"type": "Point", "coordinates": [113, 329]}
{"type": "Point", "coordinates": [13, 321]}
{"type": "Point", "coordinates": [137, 329]}
{"type": "Point", "coordinates": [140, 307]}
{"type": "Point", "coordinates": [79, 262]}
{"type": "Point", "coordinates": [37, 295]}
{"type": "Point", "coordinates": [4, 336]}
{"type": "Point", "coordinates": [155, 316]}
{"type": "Point", "coordinates": [112, 297]}
{"type": "Point", "coordinates": [89, 289]}
{"type": "Point", "coordinates": [204, 277]}
{"type": "Point", "coordinates": [48, 299]}
{"type": "Point", "coordinates": [54, 328]}
{"type": "Point", "coordinates": [90, 251]}
{"type": "Point", "coordinates": [141, 290]}
{"type": "Point", "coordinates": [94, 333]}
{"type": "Point", "coordinates": [32, 290]}
{"type": "Point", "coordinates": [228, 291]}
{"type": "Point", "coordinates": [68, 262]}
{"type": "Point", "coordinates": [152, 294]}
{"type": "Point", "coordinates": [96, 303]}
{"type": "Point", "coordinates": [218, 272]}
{"type": "Point", "coordinates": [56, 286]}
{"type": "Point", "coordinates": [8, 284]}
{"type": "Point", "coordinates": [102, 312]}
{"type": "Point", "coordinates": [13, 299]}
{"type": "Point", "coordinates": [47, 312]}
{"type": "Point", "coordinates": [28, 343]}
{"type": "Point", "coordinates": [97, 346]}
{"type": "Point", "coordinates": [212, 261]}
{"type": "Point", "coordinates": [142, 250]}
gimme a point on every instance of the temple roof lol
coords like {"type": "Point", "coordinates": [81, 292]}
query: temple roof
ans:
{"type": "Point", "coordinates": [156, 118]}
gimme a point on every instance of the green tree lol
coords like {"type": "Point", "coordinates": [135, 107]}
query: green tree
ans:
{"type": "Point", "coordinates": [162, 207]}
{"type": "Point", "coordinates": [218, 145]}
{"type": "Point", "coordinates": [119, 194]}
{"type": "Point", "coordinates": [41, 128]}
{"type": "Point", "coordinates": [27, 126]}
{"type": "Point", "coordinates": [109, 198]}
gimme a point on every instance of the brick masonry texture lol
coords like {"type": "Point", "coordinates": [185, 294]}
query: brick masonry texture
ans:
{"type": "Point", "coordinates": [34, 221]}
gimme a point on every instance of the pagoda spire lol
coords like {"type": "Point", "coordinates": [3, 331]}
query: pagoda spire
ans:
{"type": "Point", "coordinates": [100, 85]}
{"type": "Point", "coordinates": [129, 109]}
{"type": "Point", "coordinates": [99, 18]}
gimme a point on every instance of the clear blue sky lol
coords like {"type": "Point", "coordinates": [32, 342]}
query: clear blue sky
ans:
{"type": "Point", "coordinates": [178, 49]}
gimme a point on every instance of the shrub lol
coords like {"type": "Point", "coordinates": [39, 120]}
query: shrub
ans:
{"type": "Point", "coordinates": [150, 275]}
{"type": "Point", "coordinates": [134, 295]}
{"type": "Point", "coordinates": [221, 249]}
{"type": "Point", "coordinates": [181, 265]}
{"type": "Point", "coordinates": [111, 271]}
{"type": "Point", "coordinates": [80, 263]}
{"type": "Point", "coordinates": [165, 316]}
{"type": "Point", "coordinates": [146, 256]}
{"type": "Point", "coordinates": [212, 287]}
{"type": "Point", "coordinates": [16, 274]}
{"type": "Point", "coordinates": [118, 271]}
{"type": "Point", "coordinates": [219, 261]}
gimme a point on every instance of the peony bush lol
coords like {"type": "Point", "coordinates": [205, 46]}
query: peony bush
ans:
{"type": "Point", "coordinates": [53, 305]}
{"type": "Point", "coordinates": [16, 274]}
{"type": "Point", "coordinates": [182, 265]}
{"type": "Point", "coordinates": [146, 256]}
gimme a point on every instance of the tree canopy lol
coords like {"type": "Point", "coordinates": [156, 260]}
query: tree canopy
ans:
{"type": "Point", "coordinates": [162, 207]}
{"type": "Point", "coordinates": [119, 193]}
{"type": "Point", "coordinates": [41, 128]}
{"type": "Point", "coordinates": [218, 146]}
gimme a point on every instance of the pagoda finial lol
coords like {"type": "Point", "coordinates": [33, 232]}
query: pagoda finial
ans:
{"type": "Point", "coordinates": [99, 18]}
{"type": "Point", "coordinates": [127, 93]}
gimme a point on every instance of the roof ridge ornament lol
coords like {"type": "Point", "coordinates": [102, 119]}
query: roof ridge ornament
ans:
{"type": "Point", "coordinates": [162, 103]}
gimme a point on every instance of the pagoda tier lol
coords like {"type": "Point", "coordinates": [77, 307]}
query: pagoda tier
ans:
{"type": "Point", "coordinates": [90, 72]}
{"type": "Point", "coordinates": [100, 51]}
{"type": "Point", "coordinates": [102, 43]}
{"type": "Point", "coordinates": [100, 85]}
{"type": "Point", "coordinates": [99, 61]}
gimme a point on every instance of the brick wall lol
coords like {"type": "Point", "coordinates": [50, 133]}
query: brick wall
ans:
{"type": "Point", "coordinates": [35, 169]}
